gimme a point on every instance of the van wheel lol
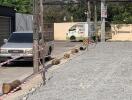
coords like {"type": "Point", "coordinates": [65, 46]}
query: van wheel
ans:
{"type": "Point", "coordinates": [73, 38]}
{"type": "Point", "coordinates": [50, 50]}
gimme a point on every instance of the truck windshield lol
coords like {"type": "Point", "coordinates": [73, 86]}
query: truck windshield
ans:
{"type": "Point", "coordinates": [21, 38]}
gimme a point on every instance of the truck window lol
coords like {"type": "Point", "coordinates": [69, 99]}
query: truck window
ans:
{"type": "Point", "coordinates": [72, 28]}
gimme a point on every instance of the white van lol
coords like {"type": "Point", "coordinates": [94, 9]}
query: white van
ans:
{"type": "Point", "coordinates": [79, 31]}
{"type": "Point", "coordinates": [20, 44]}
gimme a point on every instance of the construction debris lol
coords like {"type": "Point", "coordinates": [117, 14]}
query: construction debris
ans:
{"type": "Point", "coordinates": [66, 56]}
{"type": "Point", "coordinates": [74, 51]}
{"type": "Point", "coordinates": [56, 62]}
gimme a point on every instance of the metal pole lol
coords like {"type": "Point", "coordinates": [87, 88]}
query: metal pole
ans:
{"type": "Point", "coordinates": [102, 21]}
{"type": "Point", "coordinates": [35, 37]}
{"type": "Point", "coordinates": [42, 37]}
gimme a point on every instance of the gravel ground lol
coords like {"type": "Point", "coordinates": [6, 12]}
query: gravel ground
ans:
{"type": "Point", "coordinates": [102, 73]}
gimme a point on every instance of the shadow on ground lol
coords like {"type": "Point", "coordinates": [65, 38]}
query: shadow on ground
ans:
{"type": "Point", "coordinates": [24, 63]}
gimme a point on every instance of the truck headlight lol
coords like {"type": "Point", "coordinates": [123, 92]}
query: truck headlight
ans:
{"type": "Point", "coordinates": [4, 51]}
{"type": "Point", "coordinates": [30, 51]}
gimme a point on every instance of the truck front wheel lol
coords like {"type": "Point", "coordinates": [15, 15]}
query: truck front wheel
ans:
{"type": "Point", "coordinates": [73, 38]}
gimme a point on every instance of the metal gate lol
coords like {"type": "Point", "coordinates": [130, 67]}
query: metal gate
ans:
{"type": "Point", "coordinates": [5, 28]}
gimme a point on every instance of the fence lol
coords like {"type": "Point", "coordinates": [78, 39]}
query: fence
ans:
{"type": "Point", "coordinates": [24, 22]}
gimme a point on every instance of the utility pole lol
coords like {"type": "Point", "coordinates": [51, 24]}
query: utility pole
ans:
{"type": "Point", "coordinates": [88, 12]}
{"type": "Point", "coordinates": [35, 36]}
{"type": "Point", "coordinates": [38, 37]}
{"type": "Point", "coordinates": [95, 20]}
{"type": "Point", "coordinates": [88, 18]}
{"type": "Point", "coordinates": [103, 16]}
{"type": "Point", "coordinates": [42, 38]}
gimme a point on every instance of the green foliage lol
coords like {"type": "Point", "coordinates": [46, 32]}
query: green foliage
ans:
{"type": "Point", "coordinates": [78, 11]}
{"type": "Point", "coordinates": [23, 6]}
{"type": "Point", "coordinates": [117, 12]}
{"type": "Point", "coordinates": [120, 13]}
{"type": "Point", "coordinates": [54, 14]}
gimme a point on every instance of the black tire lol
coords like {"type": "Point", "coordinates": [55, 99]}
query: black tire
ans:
{"type": "Point", "coordinates": [50, 50]}
{"type": "Point", "coordinates": [48, 58]}
{"type": "Point", "coordinates": [73, 38]}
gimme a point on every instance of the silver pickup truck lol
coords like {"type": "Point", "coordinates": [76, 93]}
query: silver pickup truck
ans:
{"type": "Point", "coordinates": [20, 44]}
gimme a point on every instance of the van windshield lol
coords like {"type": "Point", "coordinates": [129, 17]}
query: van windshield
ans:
{"type": "Point", "coordinates": [21, 38]}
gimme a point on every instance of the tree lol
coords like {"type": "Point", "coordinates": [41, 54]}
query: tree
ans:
{"type": "Point", "coordinates": [120, 12]}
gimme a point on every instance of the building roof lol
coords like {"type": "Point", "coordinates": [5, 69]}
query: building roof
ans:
{"type": "Point", "coordinates": [7, 11]}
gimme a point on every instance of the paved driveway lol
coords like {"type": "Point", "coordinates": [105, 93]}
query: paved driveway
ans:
{"type": "Point", "coordinates": [102, 73]}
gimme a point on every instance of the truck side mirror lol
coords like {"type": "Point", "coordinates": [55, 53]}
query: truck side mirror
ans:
{"type": "Point", "coordinates": [5, 40]}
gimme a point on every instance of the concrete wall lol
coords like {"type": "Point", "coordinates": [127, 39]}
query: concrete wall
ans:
{"type": "Point", "coordinates": [121, 32]}
{"type": "Point", "coordinates": [60, 30]}
{"type": "Point", "coordinates": [24, 22]}
{"type": "Point", "coordinates": [121, 28]}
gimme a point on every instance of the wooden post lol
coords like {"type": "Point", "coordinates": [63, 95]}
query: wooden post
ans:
{"type": "Point", "coordinates": [42, 38]}
{"type": "Point", "coordinates": [35, 37]}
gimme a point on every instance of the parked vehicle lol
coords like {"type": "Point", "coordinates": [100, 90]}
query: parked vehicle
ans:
{"type": "Point", "coordinates": [20, 44]}
{"type": "Point", "coordinates": [79, 31]}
